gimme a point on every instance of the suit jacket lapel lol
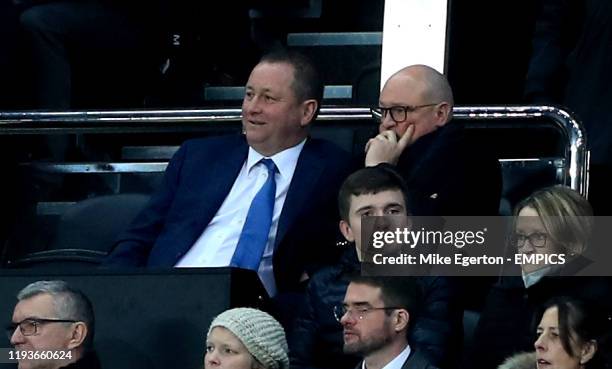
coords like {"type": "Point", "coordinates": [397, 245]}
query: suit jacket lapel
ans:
{"type": "Point", "coordinates": [307, 173]}
{"type": "Point", "coordinates": [221, 177]}
{"type": "Point", "coordinates": [416, 361]}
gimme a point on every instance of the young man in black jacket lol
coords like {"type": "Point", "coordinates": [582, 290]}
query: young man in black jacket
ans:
{"type": "Point", "coordinates": [317, 340]}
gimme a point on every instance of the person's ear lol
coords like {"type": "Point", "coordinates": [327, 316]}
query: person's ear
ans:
{"type": "Point", "coordinates": [78, 335]}
{"type": "Point", "coordinates": [589, 349]}
{"type": "Point", "coordinates": [443, 111]}
{"type": "Point", "coordinates": [401, 320]}
{"type": "Point", "coordinates": [346, 230]}
{"type": "Point", "coordinates": [309, 108]}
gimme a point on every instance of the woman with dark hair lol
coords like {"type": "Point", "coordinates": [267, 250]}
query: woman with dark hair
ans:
{"type": "Point", "coordinates": [571, 334]}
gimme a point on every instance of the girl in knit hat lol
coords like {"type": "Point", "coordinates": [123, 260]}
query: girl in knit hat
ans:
{"type": "Point", "coordinates": [245, 338]}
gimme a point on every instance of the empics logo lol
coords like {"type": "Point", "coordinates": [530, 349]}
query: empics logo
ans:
{"type": "Point", "coordinates": [548, 259]}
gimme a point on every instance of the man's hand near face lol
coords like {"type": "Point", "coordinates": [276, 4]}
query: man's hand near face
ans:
{"type": "Point", "coordinates": [386, 148]}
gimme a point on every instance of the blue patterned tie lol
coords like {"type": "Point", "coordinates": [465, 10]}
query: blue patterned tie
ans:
{"type": "Point", "coordinates": [254, 235]}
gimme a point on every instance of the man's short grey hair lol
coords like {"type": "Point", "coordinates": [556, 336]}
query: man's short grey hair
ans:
{"type": "Point", "coordinates": [69, 303]}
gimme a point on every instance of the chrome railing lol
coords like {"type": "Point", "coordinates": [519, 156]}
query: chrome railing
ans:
{"type": "Point", "coordinates": [576, 155]}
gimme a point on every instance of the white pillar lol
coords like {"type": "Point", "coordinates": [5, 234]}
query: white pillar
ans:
{"type": "Point", "coordinates": [414, 32]}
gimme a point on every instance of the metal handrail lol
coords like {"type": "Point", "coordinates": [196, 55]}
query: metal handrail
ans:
{"type": "Point", "coordinates": [576, 153]}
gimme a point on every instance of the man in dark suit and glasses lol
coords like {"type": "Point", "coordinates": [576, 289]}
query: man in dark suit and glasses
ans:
{"type": "Point", "coordinates": [376, 315]}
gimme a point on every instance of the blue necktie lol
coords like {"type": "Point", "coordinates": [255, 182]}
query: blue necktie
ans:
{"type": "Point", "coordinates": [254, 235]}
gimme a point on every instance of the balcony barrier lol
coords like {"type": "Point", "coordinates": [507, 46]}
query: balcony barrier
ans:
{"type": "Point", "coordinates": [573, 166]}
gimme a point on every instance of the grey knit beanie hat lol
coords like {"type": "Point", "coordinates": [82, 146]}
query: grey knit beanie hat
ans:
{"type": "Point", "coordinates": [260, 333]}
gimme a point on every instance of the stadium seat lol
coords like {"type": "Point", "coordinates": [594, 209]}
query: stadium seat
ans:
{"type": "Point", "coordinates": [86, 231]}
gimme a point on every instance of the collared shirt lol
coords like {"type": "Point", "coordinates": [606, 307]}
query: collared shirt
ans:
{"type": "Point", "coordinates": [397, 362]}
{"type": "Point", "coordinates": [531, 278]}
{"type": "Point", "coordinates": [217, 244]}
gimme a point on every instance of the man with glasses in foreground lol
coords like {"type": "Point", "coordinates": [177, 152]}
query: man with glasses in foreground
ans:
{"type": "Point", "coordinates": [444, 172]}
{"type": "Point", "coordinates": [52, 327]}
{"type": "Point", "coordinates": [376, 314]}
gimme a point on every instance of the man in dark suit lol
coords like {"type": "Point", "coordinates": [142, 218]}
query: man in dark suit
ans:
{"type": "Point", "coordinates": [376, 315]}
{"type": "Point", "coordinates": [446, 173]}
{"type": "Point", "coordinates": [199, 216]}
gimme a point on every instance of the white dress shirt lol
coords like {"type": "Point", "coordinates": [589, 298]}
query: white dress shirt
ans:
{"type": "Point", "coordinates": [217, 244]}
{"type": "Point", "coordinates": [397, 362]}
